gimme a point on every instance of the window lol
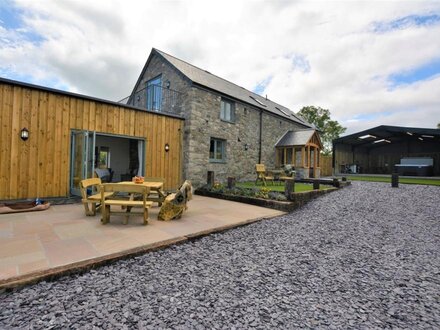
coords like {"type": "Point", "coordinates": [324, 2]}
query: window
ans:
{"type": "Point", "coordinates": [104, 157]}
{"type": "Point", "coordinates": [298, 153]}
{"type": "Point", "coordinates": [227, 111]}
{"type": "Point", "coordinates": [154, 94]}
{"type": "Point", "coordinates": [289, 155]}
{"type": "Point", "coordinates": [217, 150]}
{"type": "Point", "coordinates": [258, 101]}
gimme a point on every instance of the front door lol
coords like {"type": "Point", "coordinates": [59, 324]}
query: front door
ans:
{"type": "Point", "coordinates": [82, 157]}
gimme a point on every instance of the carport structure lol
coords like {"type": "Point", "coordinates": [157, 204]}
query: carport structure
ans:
{"type": "Point", "coordinates": [378, 149]}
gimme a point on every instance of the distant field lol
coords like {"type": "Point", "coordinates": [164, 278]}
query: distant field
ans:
{"type": "Point", "coordinates": [401, 180]}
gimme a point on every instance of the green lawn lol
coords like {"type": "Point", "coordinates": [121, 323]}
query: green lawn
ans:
{"type": "Point", "coordinates": [388, 179]}
{"type": "Point", "coordinates": [280, 187]}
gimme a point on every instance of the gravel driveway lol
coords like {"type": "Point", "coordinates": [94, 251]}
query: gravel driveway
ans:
{"type": "Point", "coordinates": [366, 256]}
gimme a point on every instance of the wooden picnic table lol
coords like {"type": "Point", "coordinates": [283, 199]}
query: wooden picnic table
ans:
{"type": "Point", "coordinates": [155, 187]}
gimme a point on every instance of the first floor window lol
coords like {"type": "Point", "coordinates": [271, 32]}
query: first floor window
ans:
{"type": "Point", "coordinates": [227, 111]}
{"type": "Point", "coordinates": [217, 150]}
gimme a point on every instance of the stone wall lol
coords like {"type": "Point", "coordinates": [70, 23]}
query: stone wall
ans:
{"type": "Point", "coordinates": [201, 109]}
{"type": "Point", "coordinates": [181, 84]}
{"type": "Point", "coordinates": [206, 123]}
{"type": "Point", "coordinates": [173, 99]}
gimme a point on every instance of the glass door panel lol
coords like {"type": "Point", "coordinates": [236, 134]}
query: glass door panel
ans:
{"type": "Point", "coordinates": [82, 159]}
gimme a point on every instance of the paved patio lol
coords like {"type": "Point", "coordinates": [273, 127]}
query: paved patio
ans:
{"type": "Point", "coordinates": [37, 244]}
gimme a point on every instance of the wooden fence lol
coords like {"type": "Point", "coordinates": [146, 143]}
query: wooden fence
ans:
{"type": "Point", "coordinates": [326, 166]}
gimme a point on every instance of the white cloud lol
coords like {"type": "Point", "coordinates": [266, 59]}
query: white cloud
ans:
{"type": "Point", "coordinates": [317, 53]}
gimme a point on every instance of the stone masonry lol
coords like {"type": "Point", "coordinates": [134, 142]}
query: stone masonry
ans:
{"type": "Point", "coordinates": [201, 109]}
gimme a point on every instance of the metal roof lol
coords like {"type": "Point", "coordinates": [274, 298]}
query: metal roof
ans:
{"type": "Point", "coordinates": [376, 136]}
{"type": "Point", "coordinates": [295, 138]}
{"type": "Point", "coordinates": [207, 79]}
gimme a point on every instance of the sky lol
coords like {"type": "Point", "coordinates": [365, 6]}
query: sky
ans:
{"type": "Point", "coordinates": [369, 62]}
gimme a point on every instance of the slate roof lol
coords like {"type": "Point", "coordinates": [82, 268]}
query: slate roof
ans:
{"type": "Point", "coordinates": [207, 79]}
{"type": "Point", "coordinates": [295, 138]}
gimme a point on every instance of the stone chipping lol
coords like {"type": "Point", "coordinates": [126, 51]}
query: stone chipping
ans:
{"type": "Point", "coordinates": [364, 257]}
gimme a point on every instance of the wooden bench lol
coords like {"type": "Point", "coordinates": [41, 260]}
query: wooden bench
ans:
{"type": "Point", "coordinates": [262, 174]}
{"type": "Point", "coordinates": [128, 203]}
{"type": "Point", "coordinates": [95, 199]}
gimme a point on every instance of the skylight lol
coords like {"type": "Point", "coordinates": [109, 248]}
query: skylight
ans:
{"type": "Point", "coordinates": [282, 111]}
{"type": "Point", "coordinates": [382, 140]}
{"type": "Point", "coordinates": [409, 133]}
{"type": "Point", "coordinates": [428, 136]}
{"type": "Point", "coordinates": [258, 101]}
{"type": "Point", "coordinates": [363, 137]}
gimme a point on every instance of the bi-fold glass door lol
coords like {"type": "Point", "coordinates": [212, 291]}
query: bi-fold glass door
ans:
{"type": "Point", "coordinates": [91, 150]}
{"type": "Point", "coordinates": [82, 158]}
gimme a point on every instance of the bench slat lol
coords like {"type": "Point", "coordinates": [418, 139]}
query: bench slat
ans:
{"type": "Point", "coordinates": [127, 203]}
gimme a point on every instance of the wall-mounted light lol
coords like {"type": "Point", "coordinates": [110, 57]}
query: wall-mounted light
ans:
{"type": "Point", "coordinates": [24, 134]}
{"type": "Point", "coordinates": [167, 84]}
{"type": "Point", "coordinates": [167, 147]}
{"type": "Point", "coordinates": [246, 146]}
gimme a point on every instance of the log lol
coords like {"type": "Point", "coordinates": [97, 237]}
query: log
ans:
{"type": "Point", "coordinates": [174, 204]}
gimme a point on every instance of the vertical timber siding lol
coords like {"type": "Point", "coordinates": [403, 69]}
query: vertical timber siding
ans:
{"type": "Point", "coordinates": [40, 166]}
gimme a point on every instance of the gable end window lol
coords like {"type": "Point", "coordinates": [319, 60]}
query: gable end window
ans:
{"type": "Point", "coordinates": [217, 150]}
{"type": "Point", "coordinates": [154, 94]}
{"type": "Point", "coordinates": [227, 111]}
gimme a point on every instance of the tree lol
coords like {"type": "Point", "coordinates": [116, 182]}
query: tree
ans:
{"type": "Point", "coordinates": [438, 125]}
{"type": "Point", "coordinates": [330, 129]}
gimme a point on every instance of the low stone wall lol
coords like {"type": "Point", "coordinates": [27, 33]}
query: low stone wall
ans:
{"type": "Point", "coordinates": [297, 199]}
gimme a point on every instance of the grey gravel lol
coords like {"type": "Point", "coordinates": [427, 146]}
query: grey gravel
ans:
{"type": "Point", "coordinates": [364, 257]}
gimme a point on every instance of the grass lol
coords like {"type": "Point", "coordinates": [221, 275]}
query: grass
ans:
{"type": "Point", "coordinates": [279, 187]}
{"type": "Point", "coordinates": [401, 180]}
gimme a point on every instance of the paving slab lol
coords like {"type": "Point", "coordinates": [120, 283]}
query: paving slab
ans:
{"type": "Point", "coordinates": [35, 245]}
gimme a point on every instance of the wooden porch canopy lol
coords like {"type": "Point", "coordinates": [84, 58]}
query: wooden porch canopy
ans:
{"type": "Point", "coordinates": [299, 148]}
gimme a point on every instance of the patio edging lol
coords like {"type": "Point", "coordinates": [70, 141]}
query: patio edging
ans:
{"type": "Point", "coordinates": [86, 265]}
{"type": "Point", "coordinates": [299, 199]}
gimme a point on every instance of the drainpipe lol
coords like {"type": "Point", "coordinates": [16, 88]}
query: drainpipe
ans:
{"type": "Point", "coordinates": [261, 136]}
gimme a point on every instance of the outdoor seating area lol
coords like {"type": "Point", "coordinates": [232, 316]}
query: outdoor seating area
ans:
{"type": "Point", "coordinates": [139, 193]}
{"type": "Point", "coordinates": [63, 237]}
{"type": "Point", "coordinates": [278, 175]}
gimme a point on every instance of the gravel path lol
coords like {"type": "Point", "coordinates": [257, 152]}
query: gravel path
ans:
{"type": "Point", "coordinates": [364, 257]}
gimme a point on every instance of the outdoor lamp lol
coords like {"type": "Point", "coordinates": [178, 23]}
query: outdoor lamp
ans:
{"type": "Point", "coordinates": [246, 146]}
{"type": "Point", "coordinates": [167, 147]}
{"type": "Point", "coordinates": [24, 134]}
{"type": "Point", "coordinates": [167, 84]}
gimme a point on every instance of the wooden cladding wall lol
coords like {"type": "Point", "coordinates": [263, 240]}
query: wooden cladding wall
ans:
{"type": "Point", "coordinates": [40, 166]}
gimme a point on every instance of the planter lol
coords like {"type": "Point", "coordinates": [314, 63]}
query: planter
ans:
{"type": "Point", "coordinates": [298, 199]}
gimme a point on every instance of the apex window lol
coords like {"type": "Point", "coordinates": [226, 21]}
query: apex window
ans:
{"type": "Point", "coordinates": [154, 94]}
{"type": "Point", "coordinates": [217, 150]}
{"type": "Point", "coordinates": [227, 110]}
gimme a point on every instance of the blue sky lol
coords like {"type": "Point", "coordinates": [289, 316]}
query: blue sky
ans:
{"type": "Point", "coordinates": [414, 75]}
{"type": "Point", "coordinates": [369, 63]}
